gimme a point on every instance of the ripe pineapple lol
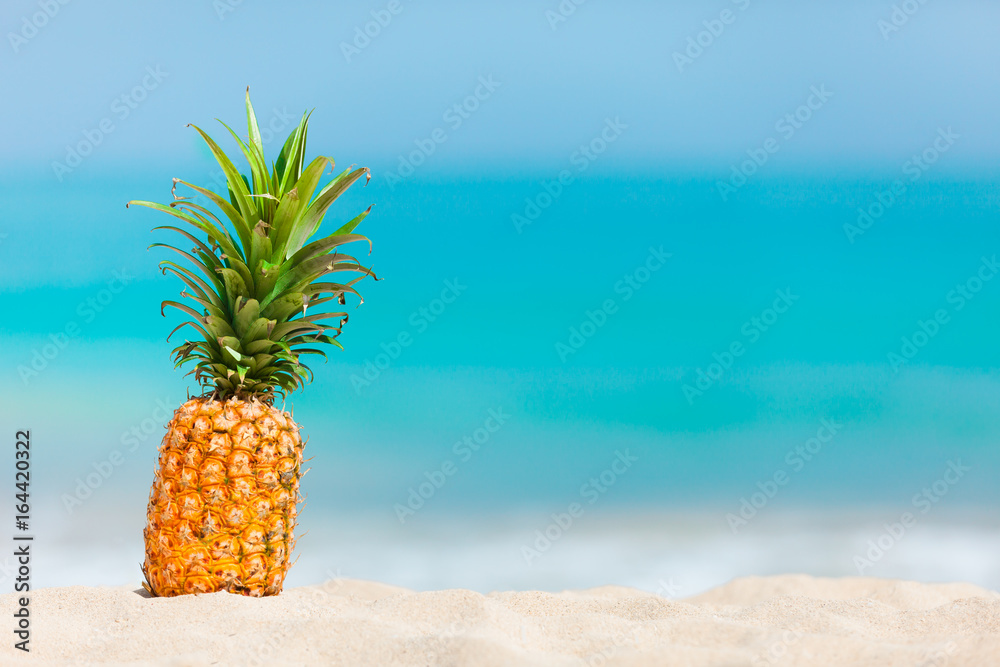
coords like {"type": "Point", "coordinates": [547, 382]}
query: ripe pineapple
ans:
{"type": "Point", "coordinates": [222, 508]}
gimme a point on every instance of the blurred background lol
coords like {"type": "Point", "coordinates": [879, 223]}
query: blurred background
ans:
{"type": "Point", "coordinates": [685, 291]}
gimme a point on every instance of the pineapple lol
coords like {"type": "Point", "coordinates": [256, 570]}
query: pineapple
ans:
{"type": "Point", "coordinates": [222, 509]}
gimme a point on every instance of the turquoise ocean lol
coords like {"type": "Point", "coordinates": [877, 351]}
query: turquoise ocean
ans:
{"type": "Point", "coordinates": [454, 458]}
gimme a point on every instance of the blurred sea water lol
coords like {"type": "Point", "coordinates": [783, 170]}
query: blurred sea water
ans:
{"type": "Point", "coordinates": [377, 437]}
{"type": "Point", "coordinates": [674, 554]}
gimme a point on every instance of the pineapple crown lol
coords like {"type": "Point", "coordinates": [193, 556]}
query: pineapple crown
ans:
{"type": "Point", "coordinates": [259, 305]}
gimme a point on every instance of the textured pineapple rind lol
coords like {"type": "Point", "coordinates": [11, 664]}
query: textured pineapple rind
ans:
{"type": "Point", "coordinates": [223, 504]}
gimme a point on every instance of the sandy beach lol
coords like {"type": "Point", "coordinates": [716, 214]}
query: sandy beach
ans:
{"type": "Point", "coordinates": [784, 620]}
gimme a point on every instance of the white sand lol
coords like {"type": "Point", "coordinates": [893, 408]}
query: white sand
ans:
{"type": "Point", "coordinates": [788, 620]}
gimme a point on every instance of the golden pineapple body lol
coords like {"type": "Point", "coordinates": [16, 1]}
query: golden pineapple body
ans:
{"type": "Point", "coordinates": [222, 508]}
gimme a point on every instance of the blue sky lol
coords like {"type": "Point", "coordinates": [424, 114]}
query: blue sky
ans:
{"type": "Point", "coordinates": [557, 85]}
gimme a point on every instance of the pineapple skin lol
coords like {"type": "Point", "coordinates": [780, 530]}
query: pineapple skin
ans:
{"type": "Point", "coordinates": [223, 504]}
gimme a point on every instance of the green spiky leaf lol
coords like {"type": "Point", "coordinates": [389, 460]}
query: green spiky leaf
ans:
{"type": "Point", "coordinates": [254, 276]}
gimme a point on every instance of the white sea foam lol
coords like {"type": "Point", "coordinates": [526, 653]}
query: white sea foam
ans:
{"type": "Point", "coordinates": [676, 554]}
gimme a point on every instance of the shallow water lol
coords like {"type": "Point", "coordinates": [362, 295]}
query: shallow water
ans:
{"type": "Point", "coordinates": [675, 554]}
